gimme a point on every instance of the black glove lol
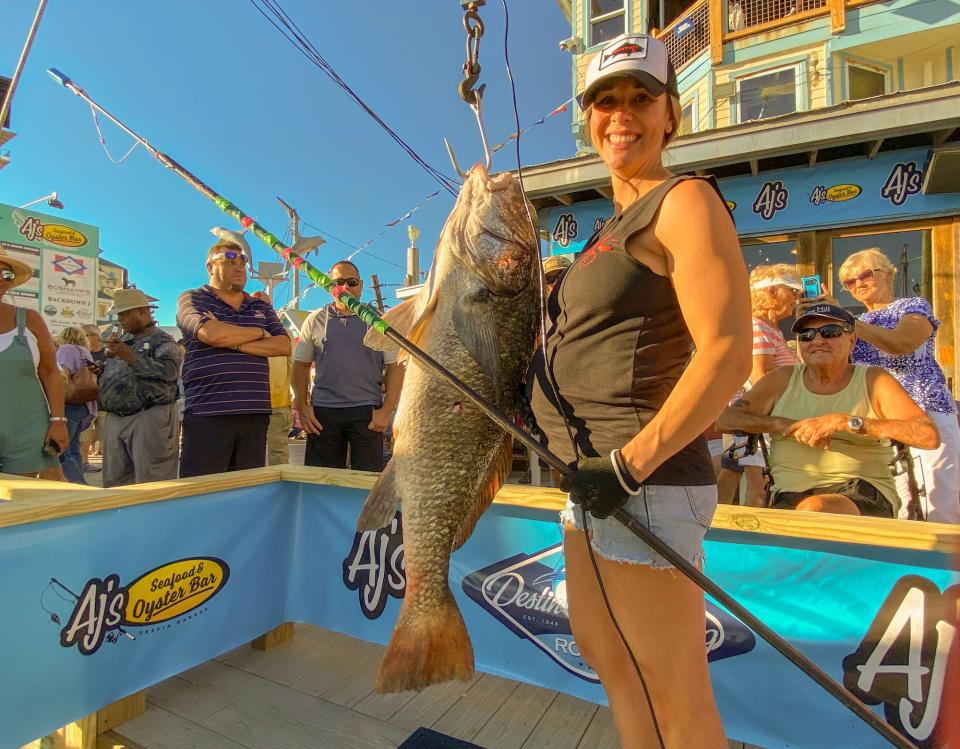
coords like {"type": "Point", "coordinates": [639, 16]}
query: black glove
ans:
{"type": "Point", "coordinates": [594, 486]}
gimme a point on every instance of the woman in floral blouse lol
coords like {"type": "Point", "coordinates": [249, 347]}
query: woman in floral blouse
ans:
{"type": "Point", "coordinates": [897, 334]}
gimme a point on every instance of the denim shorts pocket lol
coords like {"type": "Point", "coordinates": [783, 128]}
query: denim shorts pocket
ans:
{"type": "Point", "coordinates": [703, 503]}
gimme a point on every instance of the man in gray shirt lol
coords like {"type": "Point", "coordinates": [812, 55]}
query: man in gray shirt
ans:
{"type": "Point", "coordinates": [138, 391]}
{"type": "Point", "coordinates": [355, 389]}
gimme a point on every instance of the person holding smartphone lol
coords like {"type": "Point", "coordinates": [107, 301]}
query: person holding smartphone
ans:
{"type": "Point", "coordinates": [31, 398]}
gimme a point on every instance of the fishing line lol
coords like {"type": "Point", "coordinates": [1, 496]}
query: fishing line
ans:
{"type": "Point", "coordinates": [548, 374]}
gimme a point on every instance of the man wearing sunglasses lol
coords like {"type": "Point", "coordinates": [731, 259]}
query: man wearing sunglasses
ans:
{"type": "Point", "coordinates": [830, 422]}
{"type": "Point", "coordinates": [229, 337]}
{"type": "Point", "coordinates": [355, 389]}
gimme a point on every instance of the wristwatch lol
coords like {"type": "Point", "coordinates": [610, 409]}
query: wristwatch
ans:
{"type": "Point", "coordinates": [855, 424]}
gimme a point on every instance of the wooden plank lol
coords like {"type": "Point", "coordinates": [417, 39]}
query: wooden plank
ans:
{"type": "Point", "coordinates": [472, 711]}
{"type": "Point", "coordinates": [428, 706]}
{"type": "Point", "coordinates": [81, 734]}
{"type": "Point", "coordinates": [717, 26]}
{"type": "Point", "coordinates": [285, 664]}
{"type": "Point", "coordinates": [384, 706]}
{"type": "Point", "coordinates": [274, 637]}
{"type": "Point", "coordinates": [513, 723]}
{"type": "Point", "coordinates": [121, 711]}
{"type": "Point", "coordinates": [186, 699]}
{"type": "Point", "coordinates": [158, 729]}
{"type": "Point", "coordinates": [601, 733]}
{"type": "Point", "coordinates": [838, 16]}
{"type": "Point", "coordinates": [563, 724]}
{"type": "Point", "coordinates": [337, 725]}
{"type": "Point", "coordinates": [256, 728]}
{"type": "Point", "coordinates": [111, 740]}
{"type": "Point", "coordinates": [337, 665]}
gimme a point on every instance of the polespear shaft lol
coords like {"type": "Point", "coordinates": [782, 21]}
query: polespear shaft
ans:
{"type": "Point", "coordinates": [373, 320]}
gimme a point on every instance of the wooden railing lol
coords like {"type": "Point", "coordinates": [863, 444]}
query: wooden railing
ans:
{"type": "Point", "coordinates": [688, 35]}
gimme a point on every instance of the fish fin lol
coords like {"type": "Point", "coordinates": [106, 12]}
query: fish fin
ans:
{"type": "Point", "coordinates": [381, 503]}
{"type": "Point", "coordinates": [477, 330]}
{"type": "Point", "coordinates": [409, 319]}
{"type": "Point", "coordinates": [495, 479]}
{"type": "Point", "coordinates": [427, 647]}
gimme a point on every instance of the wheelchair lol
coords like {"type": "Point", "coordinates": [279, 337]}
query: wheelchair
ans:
{"type": "Point", "coordinates": [902, 463]}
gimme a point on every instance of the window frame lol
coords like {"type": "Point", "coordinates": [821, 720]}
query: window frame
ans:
{"type": "Point", "coordinates": [801, 93]}
{"type": "Point", "coordinates": [589, 22]}
{"type": "Point", "coordinates": [694, 103]}
{"type": "Point", "coordinates": [869, 65]}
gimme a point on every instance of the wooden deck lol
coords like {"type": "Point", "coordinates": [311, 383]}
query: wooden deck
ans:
{"type": "Point", "coordinates": [316, 690]}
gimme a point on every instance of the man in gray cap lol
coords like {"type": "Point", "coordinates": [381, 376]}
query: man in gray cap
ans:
{"type": "Point", "coordinates": [138, 391]}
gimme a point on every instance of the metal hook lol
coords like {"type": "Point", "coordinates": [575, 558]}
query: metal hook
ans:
{"type": "Point", "coordinates": [487, 155]}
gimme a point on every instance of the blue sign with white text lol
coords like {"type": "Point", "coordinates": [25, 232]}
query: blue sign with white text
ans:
{"type": "Point", "coordinates": [102, 605]}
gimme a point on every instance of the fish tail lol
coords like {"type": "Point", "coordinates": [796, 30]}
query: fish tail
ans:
{"type": "Point", "coordinates": [427, 647]}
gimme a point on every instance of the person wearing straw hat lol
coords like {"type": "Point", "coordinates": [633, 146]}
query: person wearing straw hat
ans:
{"type": "Point", "coordinates": [138, 391]}
{"type": "Point", "coordinates": [31, 399]}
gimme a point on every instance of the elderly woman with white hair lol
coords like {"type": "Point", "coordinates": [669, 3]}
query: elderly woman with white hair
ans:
{"type": "Point", "coordinates": [774, 290]}
{"type": "Point", "coordinates": [898, 335]}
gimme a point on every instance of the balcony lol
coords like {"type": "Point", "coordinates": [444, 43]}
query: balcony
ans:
{"type": "Point", "coordinates": [687, 36]}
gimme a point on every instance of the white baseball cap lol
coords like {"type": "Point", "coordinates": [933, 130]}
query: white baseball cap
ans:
{"type": "Point", "coordinates": [638, 55]}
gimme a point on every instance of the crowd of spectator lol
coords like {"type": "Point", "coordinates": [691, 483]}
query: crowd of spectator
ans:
{"type": "Point", "coordinates": [826, 408]}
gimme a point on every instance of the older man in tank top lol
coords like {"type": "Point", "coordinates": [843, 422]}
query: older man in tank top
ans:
{"type": "Point", "coordinates": [831, 422]}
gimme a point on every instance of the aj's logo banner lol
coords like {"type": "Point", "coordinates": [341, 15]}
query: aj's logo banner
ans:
{"type": "Point", "coordinates": [374, 567]}
{"type": "Point", "coordinates": [106, 610]}
{"type": "Point", "coordinates": [902, 660]}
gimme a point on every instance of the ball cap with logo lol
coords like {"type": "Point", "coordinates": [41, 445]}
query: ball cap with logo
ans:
{"type": "Point", "coordinates": [828, 311]}
{"type": "Point", "coordinates": [126, 299]}
{"type": "Point", "coordinates": [638, 55]}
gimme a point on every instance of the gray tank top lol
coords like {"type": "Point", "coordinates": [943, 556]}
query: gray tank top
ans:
{"type": "Point", "coordinates": [616, 346]}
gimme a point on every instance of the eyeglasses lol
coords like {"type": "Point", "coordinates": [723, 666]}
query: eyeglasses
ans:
{"type": "Point", "coordinates": [849, 283]}
{"type": "Point", "coordinates": [8, 275]}
{"type": "Point", "coordinates": [230, 256]}
{"type": "Point", "coordinates": [827, 331]}
{"type": "Point", "coordinates": [349, 282]}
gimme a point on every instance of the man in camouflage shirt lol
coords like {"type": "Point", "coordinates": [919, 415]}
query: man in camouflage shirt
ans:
{"type": "Point", "coordinates": [138, 391]}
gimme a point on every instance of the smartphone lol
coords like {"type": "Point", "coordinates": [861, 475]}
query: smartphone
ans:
{"type": "Point", "coordinates": [51, 448]}
{"type": "Point", "coordinates": [811, 286]}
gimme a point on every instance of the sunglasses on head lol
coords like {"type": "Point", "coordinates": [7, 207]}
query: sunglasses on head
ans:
{"type": "Point", "coordinates": [349, 282]}
{"type": "Point", "coordinates": [231, 256]}
{"type": "Point", "coordinates": [827, 331]}
{"type": "Point", "coordinates": [8, 275]}
{"type": "Point", "coordinates": [849, 283]}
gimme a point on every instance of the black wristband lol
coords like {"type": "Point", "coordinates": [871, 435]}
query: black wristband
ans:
{"type": "Point", "coordinates": [632, 485]}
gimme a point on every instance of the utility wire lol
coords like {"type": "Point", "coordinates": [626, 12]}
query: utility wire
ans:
{"type": "Point", "coordinates": [282, 22]}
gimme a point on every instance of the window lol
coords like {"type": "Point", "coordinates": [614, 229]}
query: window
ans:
{"type": "Point", "coordinates": [688, 118]}
{"type": "Point", "coordinates": [864, 81]}
{"type": "Point", "coordinates": [909, 251]}
{"type": "Point", "coordinates": [608, 19]}
{"type": "Point", "coordinates": [769, 94]}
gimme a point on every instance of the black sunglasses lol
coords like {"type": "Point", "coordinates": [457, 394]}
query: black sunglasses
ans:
{"type": "Point", "coordinates": [8, 275]}
{"type": "Point", "coordinates": [349, 282]}
{"type": "Point", "coordinates": [827, 331]}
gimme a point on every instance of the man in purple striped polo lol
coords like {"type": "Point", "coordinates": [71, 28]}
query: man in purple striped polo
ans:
{"type": "Point", "coordinates": [229, 337]}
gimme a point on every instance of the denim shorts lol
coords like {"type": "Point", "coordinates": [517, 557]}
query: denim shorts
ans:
{"type": "Point", "coordinates": [679, 515]}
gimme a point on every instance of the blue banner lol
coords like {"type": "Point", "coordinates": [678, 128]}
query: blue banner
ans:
{"type": "Point", "coordinates": [99, 606]}
{"type": "Point", "coordinates": [839, 193]}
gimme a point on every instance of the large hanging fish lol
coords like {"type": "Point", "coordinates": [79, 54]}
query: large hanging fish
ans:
{"type": "Point", "coordinates": [477, 315]}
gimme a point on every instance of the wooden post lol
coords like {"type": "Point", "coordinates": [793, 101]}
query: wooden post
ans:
{"type": "Point", "coordinates": [376, 290]}
{"type": "Point", "coordinates": [838, 13]}
{"type": "Point", "coordinates": [274, 637]}
{"type": "Point", "coordinates": [82, 734]}
{"type": "Point", "coordinates": [717, 10]}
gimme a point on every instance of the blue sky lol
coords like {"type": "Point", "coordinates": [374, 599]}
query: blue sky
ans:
{"type": "Point", "coordinates": [212, 84]}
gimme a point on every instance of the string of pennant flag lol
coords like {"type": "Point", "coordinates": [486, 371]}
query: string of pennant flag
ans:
{"type": "Point", "coordinates": [391, 224]}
